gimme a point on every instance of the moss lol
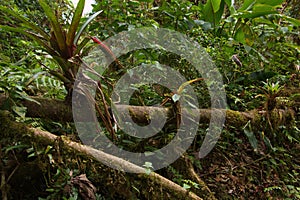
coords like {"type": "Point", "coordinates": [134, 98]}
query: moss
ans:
{"type": "Point", "coordinates": [256, 119]}
{"type": "Point", "coordinates": [8, 128]}
{"type": "Point", "coordinates": [14, 131]}
{"type": "Point", "coordinates": [236, 118]}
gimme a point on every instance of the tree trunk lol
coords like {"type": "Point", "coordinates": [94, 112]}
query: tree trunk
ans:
{"type": "Point", "coordinates": [57, 110]}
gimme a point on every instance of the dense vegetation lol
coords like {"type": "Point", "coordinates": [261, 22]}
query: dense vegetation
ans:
{"type": "Point", "coordinates": [255, 46]}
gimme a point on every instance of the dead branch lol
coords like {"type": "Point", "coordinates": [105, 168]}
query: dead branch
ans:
{"type": "Point", "coordinates": [12, 129]}
{"type": "Point", "coordinates": [58, 110]}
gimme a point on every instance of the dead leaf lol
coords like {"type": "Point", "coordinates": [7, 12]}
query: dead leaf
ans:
{"type": "Point", "coordinates": [86, 188]}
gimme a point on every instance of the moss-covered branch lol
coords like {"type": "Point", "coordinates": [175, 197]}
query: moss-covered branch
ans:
{"type": "Point", "coordinates": [151, 185]}
{"type": "Point", "coordinates": [57, 110]}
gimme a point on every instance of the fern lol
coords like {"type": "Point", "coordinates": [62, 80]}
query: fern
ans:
{"type": "Point", "coordinates": [268, 189]}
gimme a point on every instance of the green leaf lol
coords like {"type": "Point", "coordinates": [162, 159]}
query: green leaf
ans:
{"type": "Point", "coordinates": [270, 2]}
{"type": "Point", "coordinates": [265, 21]}
{"type": "Point", "coordinates": [247, 5]}
{"type": "Point", "coordinates": [230, 5]}
{"type": "Point", "coordinates": [148, 171]}
{"type": "Point", "coordinates": [25, 21]}
{"type": "Point", "coordinates": [186, 186]}
{"type": "Point", "coordinates": [258, 53]}
{"type": "Point", "coordinates": [263, 8]}
{"type": "Point", "coordinates": [82, 44]}
{"type": "Point", "coordinates": [18, 146]}
{"type": "Point", "coordinates": [250, 135]}
{"type": "Point", "coordinates": [215, 5]}
{"type": "Point", "coordinates": [210, 14]}
{"type": "Point", "coordinates": [65, 65]}
{"type": "Point", "coordinates": [58, 32]}
{"type": "Point", "coordinates": [296, 47]}
{"type": "Point", "coordinates": [21, 111]}
{"type": "Point", "coordinates": [240, 36]}
{"type": "Point", "coordinates": [75, 22]}
{"type": "Point", "coordinates": [268, 143]}
{"type": "Point", "coordinates": [34, 77]}
{"type": "Point", "coordinates": [30, 99]}
{"type": "Point", "coordinates": [252, 15]}
{"type": "Point", "coordinates": [33, 36]}
{"type": "Point", "coordinates": [48, 149]}
{"type": "Point", "coordinates": [148, 166]}
{"type": "Point", "coordinates": [249, 35]}
{"type": "Point", "coordinates": [85, 25]}
{"type": "Point", "coordinates": [294, 21]}
{"type": "Point", "coordinates": [252, 9]}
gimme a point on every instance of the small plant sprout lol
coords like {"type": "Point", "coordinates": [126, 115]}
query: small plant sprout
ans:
{"type": "Point", "coordinates": [188, 184]}
{"type": "Point", "coordinates": [149, 167]}
{"type": "Point", "coordinates": [271, 91]}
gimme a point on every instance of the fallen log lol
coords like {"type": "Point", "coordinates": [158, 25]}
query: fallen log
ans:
{"type": "Point", "coordinates": [155, 182]}
{"type": "Point", "coordinates": [58, 110]}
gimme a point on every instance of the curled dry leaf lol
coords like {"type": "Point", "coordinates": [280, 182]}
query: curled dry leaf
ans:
{"type": "Point", "coordinates": [85, 187]}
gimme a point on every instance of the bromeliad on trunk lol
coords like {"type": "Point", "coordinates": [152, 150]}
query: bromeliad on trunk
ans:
{"type": "Point", "coordinates": [61, 42]}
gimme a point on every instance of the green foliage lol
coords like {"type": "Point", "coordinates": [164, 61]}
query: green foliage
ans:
{"type": "Point", "coordinates": [213, 11]}
{"type": "Point", "coordinates": [272, 89]}
{"type": "Point", "coordinates": [60, 180]}
{"type": "Point", "coordinates": [252, 43]}
{"type": "Point", "coordinates": [189, 184]}
{"type": "Point", "coordinates": [59, 42]}
{"type": "Point", "coordinates": [250, 135]}
{"type": "Point", "coordinates": [26, 77]}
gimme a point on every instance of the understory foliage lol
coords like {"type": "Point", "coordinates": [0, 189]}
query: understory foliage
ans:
{"type": "Point", "coordinates": [254, 44]}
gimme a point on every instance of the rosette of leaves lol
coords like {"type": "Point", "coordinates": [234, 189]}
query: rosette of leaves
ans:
{"type": "Point", "coordinates": [61, 41]}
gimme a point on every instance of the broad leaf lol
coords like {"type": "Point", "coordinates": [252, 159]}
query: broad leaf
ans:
{"type": "Point", "coordinates": [252, 139]}
{"type": "Point", "coordinates": [263, 8]}
{"type": "Point", "coordinates": [209, 12]}
{"type": "Point", "coordinates": [247, 5]}
{"type": "Point", "coordinates": [270, 2]}
{"type": "Point", "coordinates": [85, 25]}
{"type": "Point", "coordinates": [240, 36]}
{"type": "Point", "coordinates": [58, 32]}
{"type": "Point", "coordinates": [251, 14]}
{"type": "Point", "coordinates": [249, 35]}
{"type": "Point", "coordinates": [215, 5]}
{"type": "Point", "coordinates": [75, 22]}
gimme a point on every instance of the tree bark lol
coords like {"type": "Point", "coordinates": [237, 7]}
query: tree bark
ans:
{"type": "Point", "coordinates": [57, 110]}
{"type": "Point", "coordinates": [151, 185]}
